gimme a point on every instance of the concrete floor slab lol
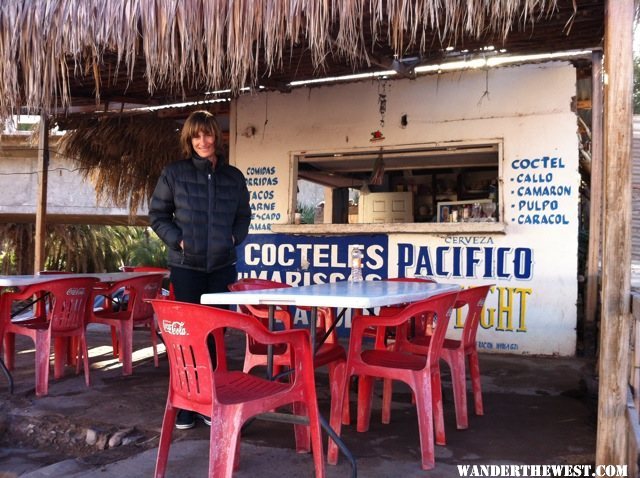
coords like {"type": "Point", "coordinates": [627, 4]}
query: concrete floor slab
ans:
{"type": "Point", "coordinates": [538, 410]}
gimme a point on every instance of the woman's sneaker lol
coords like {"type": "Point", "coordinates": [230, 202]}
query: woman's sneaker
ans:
{"type": "Point", "coordinates": [205, 419]}
{"type": "Point", "coordinates": [186, 419]}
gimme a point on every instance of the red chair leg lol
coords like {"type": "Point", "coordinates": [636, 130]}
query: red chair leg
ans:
{"type": "Point", "coordinates": [43, 351]}
{"type": "Point", "coordinates": [60, 354]}
{"type": "Point", "coordinates": [387, 392]}
{"type": "Point", "coordinates": [114, 342]}
{"type": "Point", "coordinates": [303, 439]}
{"type": "Point", "coordinates": [9, 349]}
{"type": "Point", "coordinates": [80, 354]}
{"type": "Point", "coordinates": [455, 359]}
{"type": "Point", "coordinates": [126, 346]}
{"type": "Point", "coordinates": [335, 421]}
{"type": "Point", "coordinates": [336, 376]}
{"type": "Point", "coordinates": [437, 408]}
{"type": "Point", "coordinates": [72, 348]}
{"type": "Point", "coordinates": [154, 342]}
{"type": "Point", "coordinates": [346, 411]}
{"type": "Point", "coordinates": [84, 351]}
{"type": "Point", "coordinates": [425, 426]}
{"type": "Point", "coordinates": [474, 371]}
{"type": "Point", "coordinates": [365, 395]}
{"type": "Point", "coordinates": [223, 442]}
{"type": "Point", "coordinates": [236, 456]}
{"type": "Point", "coordinates": [168, 422]}
{"type": "Point", "coordinates": [381, 338]}
{"type": "Point", "coordinates": [314, 431]}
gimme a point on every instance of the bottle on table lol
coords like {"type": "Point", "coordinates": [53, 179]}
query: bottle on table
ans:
{"type": "Point", "coordinates": [356, 264]}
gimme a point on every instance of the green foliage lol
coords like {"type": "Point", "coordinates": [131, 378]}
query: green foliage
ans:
{"type": "Point", "coordinates": [307, 213]}
{"type": "Point", "coordinates": [147, 250]}
{"type": "Point", "coordinates": [80, 248]}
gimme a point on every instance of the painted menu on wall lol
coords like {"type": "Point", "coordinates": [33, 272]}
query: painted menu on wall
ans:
{"type": "Point", "coordinates": [261, 182]}
{"type": "Point", "coordinates": [536, 192]}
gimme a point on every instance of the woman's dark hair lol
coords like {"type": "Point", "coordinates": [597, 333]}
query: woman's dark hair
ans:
{"type": "Point", "coordinates": [201, 121]}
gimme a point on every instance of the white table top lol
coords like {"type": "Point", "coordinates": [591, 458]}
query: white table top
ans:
{"type": "Point", "coordinates": [355, 295]}
{"type": "Point", "coordinates": [24, 280]}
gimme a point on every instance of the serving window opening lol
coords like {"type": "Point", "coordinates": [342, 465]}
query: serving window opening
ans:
{"type": "Point", "coordinates": [445, 183]}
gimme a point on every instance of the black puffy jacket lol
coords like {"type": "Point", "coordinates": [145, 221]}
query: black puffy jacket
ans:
{"type": "Point", "coordinates": [206, 208]}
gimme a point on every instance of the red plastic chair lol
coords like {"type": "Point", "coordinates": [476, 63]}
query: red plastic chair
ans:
{"type": "Point", "coordinates": [382, 334]}
{"type": "Point", "coordinates": [171, 295]}
{"type": "Point", "coordinates": [455, 353]}
{"type": "Point", "coordinates": [329, 353]}
{"type": "Point", "coordinates": [256, 353]}
{"type": "Point", "coordinates": [421, 373]}
{"type": "Point", "coordinates": [138, 312]}
{"type": "Point", "coordinates": [65, 313]}
{"type": "Point", "coordinates": [230, 398]}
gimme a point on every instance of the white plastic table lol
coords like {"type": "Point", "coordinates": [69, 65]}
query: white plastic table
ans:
{"type": "Point", "coordinates": [25, 280]}
{"type": "Point", "coordinates": [344, 294]}
{"type": "Point", "coordinates": [355, 295]}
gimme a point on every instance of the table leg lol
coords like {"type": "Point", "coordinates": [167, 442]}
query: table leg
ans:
{"type": "Point", "coordinates": [323, 422]}
{"type": "Point", "coordinates": [312, 329]}
{"type": "Point", "coordinates": [272, 320]}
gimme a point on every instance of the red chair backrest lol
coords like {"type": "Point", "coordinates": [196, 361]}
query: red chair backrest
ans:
{"type": "Point", "coordinates": [250, 283]}
{"type": "Point", "coordinates": [69, 302]}
{"type": "Point", "coordinates": [143, 269]}
{"type": "Point", "coordinates": [184, 332]}
{"type": "Point", "coordinates": [171, 295]}
{"type": "Point", "coordinates": [439, 307]}
{"type": "Point", "coordinates": [421, 326]}
{"type": "Point", "coordinates": [146, 287]}
{"type": "Point", "coordinates": [140, 289]}
{"type": "Point", "coordinates": [185, 328]}
{"type": "Point", "coordinates": [474, 297]}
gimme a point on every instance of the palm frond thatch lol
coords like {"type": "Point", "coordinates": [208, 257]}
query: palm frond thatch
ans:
{"type": "Point", "coordinates": [123, 157]}
{"type": "Point", "coordinates": [221, 44]}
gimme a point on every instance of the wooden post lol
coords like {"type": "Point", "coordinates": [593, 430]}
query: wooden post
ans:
{"type": "Point", "coordinates": [611, 444]}
{"type": "Point", "coordinates": [595, 208]}
{"type": "Point", "coordinates": [41, 205]}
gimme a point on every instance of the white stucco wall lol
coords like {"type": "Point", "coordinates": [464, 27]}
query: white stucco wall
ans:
{"type": "Point", "coordinates": [528, 108]}
{"type": "Point", "coordinates": [67, 191]}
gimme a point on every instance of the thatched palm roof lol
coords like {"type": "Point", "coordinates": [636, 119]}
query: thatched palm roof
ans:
{"type": "Point", "coordinates": [62, 53]}
{"type": "Point", "coordinates": [123, 156]}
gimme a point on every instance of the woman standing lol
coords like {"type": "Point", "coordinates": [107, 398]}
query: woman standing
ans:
{"type": "Point", "coordinates": [200, 210]}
